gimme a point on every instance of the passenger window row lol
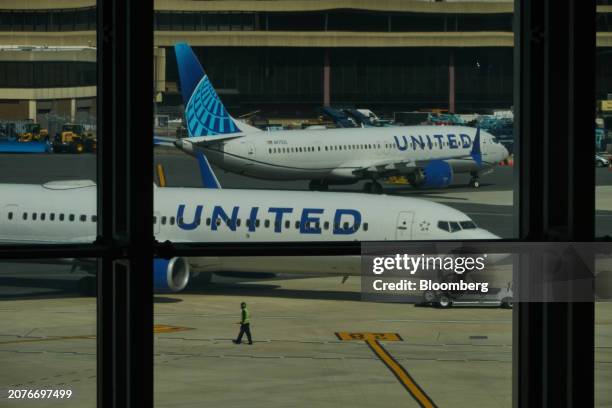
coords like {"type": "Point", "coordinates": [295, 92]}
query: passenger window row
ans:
{"type": "Point", "coordinates": [164, 220]}
{"type": "Point", "coordinates": [411, 144]}
{"type": "Point", "coordinates": [330, 148]}
{"type": "Point", "coordinates": [36, 216]}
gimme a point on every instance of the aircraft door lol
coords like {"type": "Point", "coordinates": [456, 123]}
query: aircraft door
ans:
{"type": "Point", "coordinates": [250, 149]}
{"type": "Point", "coordinates": [404, 225]}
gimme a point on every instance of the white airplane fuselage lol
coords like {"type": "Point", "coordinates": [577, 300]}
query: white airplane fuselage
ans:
{"type": "Point", "coordinates": [65, 212]}
{"type": "Point", "coordinates": [344, 155]}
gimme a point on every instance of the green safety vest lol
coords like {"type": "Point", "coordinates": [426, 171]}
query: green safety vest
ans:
{"type": "Point", "coordinates": [246, 316]}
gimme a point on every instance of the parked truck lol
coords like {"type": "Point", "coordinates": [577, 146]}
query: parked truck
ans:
{"type": "Point", "coordinates": [74, 139]}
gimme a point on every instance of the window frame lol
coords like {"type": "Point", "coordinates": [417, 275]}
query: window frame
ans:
{"type": "Point", "coordinates": [125, 243]}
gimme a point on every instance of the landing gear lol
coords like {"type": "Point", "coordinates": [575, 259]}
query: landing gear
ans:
{"type": "Point", "coordinates": [373, 187]}
{"type": "Point", "coordinates": [318, 185]}
{"type": "Point", "coordinates": [87, 286]}
{"type": "Point", "coordinates": [444, 302]}
{"type": "Point", "coordinates": [474, 183]}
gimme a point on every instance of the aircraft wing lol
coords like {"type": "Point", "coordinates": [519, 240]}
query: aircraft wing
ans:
{"type": "Point", "coordinates": [86, 264]}
{"type": "Point", "coordinates": [75, 240]}
{"type": "Point", "coordinates": [384, 167]}
{"type": "Point", "coordinates": [163, 141]}
{"type": "Point", "coordinates": [203, 140]}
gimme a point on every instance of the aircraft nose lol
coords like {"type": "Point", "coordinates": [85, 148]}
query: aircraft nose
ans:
{"type": "Point", "coordinates": [478, 233]}
{"type": "Point", "coordinates": [505, 152]}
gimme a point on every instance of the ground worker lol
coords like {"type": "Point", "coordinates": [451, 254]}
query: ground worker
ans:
{"type": "Point", "coordinates": [245, 325]}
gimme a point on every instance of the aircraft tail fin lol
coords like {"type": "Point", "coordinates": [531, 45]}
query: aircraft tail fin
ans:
{"type": "Point", "coordinates": [209, 180]}
{"type": "Point", "coordinates": [476, 152]}
{"type": "Point", "coordinates": [205, 114]}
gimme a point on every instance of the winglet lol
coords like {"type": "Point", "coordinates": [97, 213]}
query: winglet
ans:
{"type": "Point", "coordinates": [476, 153]}
{"type": "Point", "coordinates": [209, 180]}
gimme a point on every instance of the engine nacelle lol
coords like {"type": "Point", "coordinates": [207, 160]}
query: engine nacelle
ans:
{"type": "Point", "coordinates": [436, 174]}
{"type": "Point", "coordinates": [170, 275]}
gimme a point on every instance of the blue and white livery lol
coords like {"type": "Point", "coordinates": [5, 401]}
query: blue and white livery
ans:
{"type": "Point", "coordinates": [428, 156]}
{"type": "Point", "coordinates": [65, 212]}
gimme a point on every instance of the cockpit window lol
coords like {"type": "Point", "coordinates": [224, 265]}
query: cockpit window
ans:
{"type": "Point", "coordinates": [454, 226]}
{"type": "Point", "coordinates": [468, 224]}
{"type": "Point", "coordinates": [443, 225]}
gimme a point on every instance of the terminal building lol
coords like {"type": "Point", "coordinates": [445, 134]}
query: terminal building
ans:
{"type": "Point", "coordinates": [283, 58]}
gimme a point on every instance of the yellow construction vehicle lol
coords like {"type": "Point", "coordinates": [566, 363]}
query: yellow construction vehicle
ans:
{"type": "Point", "coordinates": [74, 139]}
{"type": "Point", "coordinates": [33, 132]}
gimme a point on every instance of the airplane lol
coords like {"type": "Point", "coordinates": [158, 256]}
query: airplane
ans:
{"type": "Point", "coordinates": [428, 156]}
{"type": "Point", "coordinates": [65, 212]}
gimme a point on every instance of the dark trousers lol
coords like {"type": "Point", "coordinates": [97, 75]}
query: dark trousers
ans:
{"type": "Point", "coordinates": [244, 328]}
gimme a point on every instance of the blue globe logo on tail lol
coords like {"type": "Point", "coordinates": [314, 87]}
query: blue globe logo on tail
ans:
{"type": "Point", "coordinates": [204, 112]}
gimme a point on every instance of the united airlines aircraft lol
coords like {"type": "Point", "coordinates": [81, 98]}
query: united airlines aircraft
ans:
{"type": "Point", "coordinates": [65, 212]}
{"type": "Point", "coordinates": [428, 156]}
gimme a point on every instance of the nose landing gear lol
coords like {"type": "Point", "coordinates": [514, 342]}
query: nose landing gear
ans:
{"type": "Point", "coordinates": [474, 181]}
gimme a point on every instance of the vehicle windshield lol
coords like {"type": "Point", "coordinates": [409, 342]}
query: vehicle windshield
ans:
{"type": "Point", "coordinates": [72, 128]}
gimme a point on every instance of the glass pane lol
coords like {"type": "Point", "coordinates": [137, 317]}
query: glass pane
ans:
{"type": "Point", "coordinates": [603, 213]}
{"type": "Point", "coordinates": [304, 117]}
{"type": "Point", "coordinates": [48, 141]}
{"type": "Point", "coordinates": [48, 134]}
{"type": "Point", "coordinates": [431, 127]}
{"type": "Point", "coordinates": [48, 332]}
{"type": "Point", "coordinates": [603, 331]}
{"type": "Point", "coordinates": [603, 144]}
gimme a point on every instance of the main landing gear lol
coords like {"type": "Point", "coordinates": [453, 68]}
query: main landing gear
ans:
{"type": "Point", "coordinates": [474, 183]}
{"type": "Point", "coordinates": [373, 187]}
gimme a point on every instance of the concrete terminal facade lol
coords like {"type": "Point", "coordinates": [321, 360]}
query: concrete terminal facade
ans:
{"type": "Point", "coordinates": [284, 57]}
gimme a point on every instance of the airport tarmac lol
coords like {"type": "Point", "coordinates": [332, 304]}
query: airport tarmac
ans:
{"type": "Point", "coordinates": [491, 205]}
{"type": "Point", "coordinates": [460, 357]}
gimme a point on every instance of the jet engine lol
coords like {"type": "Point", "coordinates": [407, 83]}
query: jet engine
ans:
{"type": "Point", "coordinates": [435, 174]}
{"type": "Point", "coordinates": [170, 275]}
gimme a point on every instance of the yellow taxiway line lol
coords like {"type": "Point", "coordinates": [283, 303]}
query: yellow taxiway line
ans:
{"type": "Point", "coordinates": [372, 340]}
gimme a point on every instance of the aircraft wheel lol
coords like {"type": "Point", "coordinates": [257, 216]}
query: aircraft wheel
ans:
{"type": "Point", "coordinates": [474, 183]}
{"type": "Point", "coordinates": [376, 188]}
{"type": "Point", "coordinates": [444, 302]}
{"type": "Point", "coordinates": [367, 187]}
{"type": "Point", "coordinates": [87, 286]}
